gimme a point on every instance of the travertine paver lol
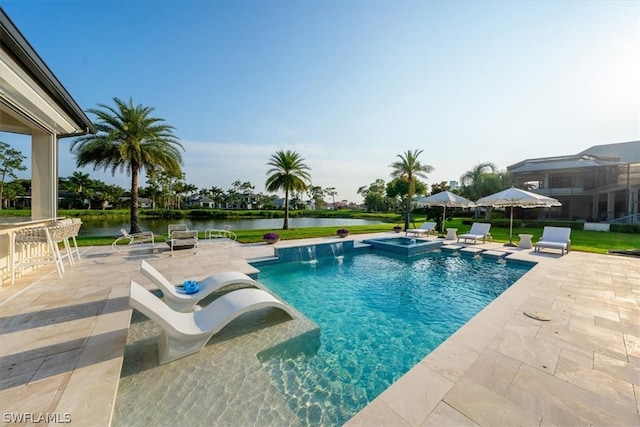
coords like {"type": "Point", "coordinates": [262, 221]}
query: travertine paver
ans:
{"type": "Point", "coordinates": [580, 368]}
{"type": "Point", "coordinates": [62, 343]}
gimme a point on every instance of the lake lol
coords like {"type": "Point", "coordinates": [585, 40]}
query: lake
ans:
{"type": "Point", "coordinates": [159, 226]}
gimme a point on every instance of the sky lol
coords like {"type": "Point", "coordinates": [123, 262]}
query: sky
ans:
{"type": "Point", "coordinates": [349, 85]}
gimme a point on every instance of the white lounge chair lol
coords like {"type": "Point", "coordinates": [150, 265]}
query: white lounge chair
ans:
{"type": "Point", "coordinates": [178, 300]}
{"type": "Point", "coordinates": [187, 333]}
{"type": "Point", "coordinates": [425, 228]}
{"type": "Point", "coordinates": [555, 238]}
{"type": "Point", "coordinates": [479, 230]}
{"type": "Point", "coordinates": [142, 237]}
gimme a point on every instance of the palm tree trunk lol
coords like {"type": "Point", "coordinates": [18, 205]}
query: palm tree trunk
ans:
{"type": "Point", "coordinates": [286, 210]}
{"type": "Point", "coordinates": [134, 200]}
{"type": "Point", "coordinates": [409, 195]}
{"type": "Point", "coordinates": [406, 220]}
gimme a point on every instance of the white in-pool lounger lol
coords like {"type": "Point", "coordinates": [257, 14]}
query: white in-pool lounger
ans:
{"type": "Point", "coordinates": [178, 300]}
{"type": "Point", "coordinates": [187, 333]}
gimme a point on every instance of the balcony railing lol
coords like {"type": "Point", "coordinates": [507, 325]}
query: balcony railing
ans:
{"type": "Point", "coordinates": [629, 219]}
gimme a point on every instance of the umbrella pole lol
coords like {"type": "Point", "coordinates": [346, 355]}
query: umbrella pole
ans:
{"type": "Point", "coordinates": [444, 215]}
{"type": "Point", "coordinates": [511, 228]}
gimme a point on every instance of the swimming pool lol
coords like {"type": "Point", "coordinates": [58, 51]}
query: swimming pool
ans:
{"type": "Point", "coordinates": [378, 315]}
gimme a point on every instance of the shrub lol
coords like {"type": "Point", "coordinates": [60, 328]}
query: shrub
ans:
{"type": "Point", "coordinates": [625, 228]}
{"type": "Point", "coordinates": [342, 231]}
{"type": "Point", "coordinates": [271, 236]}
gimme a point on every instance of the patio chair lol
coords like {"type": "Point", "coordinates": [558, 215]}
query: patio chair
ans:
{"type": "Point", "coordinates": [179, 236]}
{"type": "Point", "coordinates": [178, 300]}
{"type": "Point", "coordinates": [479, 230]}
{"type": "Point", "coordinates": [176, 227]}
{"type": "Point", "coordinates": [425, 228]}
{"type": "Point", "coordinates": [133, 238]}
{"type": "Point", "coordinates": [183, 239]}
{"type": "Point", "coordinates": [555, 238]}
{"type": "Point", "coordinates": [187, 333]}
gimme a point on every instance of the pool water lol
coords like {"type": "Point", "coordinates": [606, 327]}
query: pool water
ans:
{"type": "Point", "coordinates": [378, 316]}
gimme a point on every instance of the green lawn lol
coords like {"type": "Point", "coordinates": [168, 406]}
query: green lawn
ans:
{"type": "Point", "coordinates": [586, 241]}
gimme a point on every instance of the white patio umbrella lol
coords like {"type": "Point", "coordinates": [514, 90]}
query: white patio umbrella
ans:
{"type": "Point", "coordinates": [446, 199]}
{"type": "Point", "coordinates": [517, 197]}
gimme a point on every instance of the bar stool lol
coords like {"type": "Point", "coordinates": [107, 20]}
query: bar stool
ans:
{"type": "Point", "coordinates": [35, 247]}
{"type": "Point", "coordinates": [72, 228]}
{"type": "Point", "coordinates": [61, 232]}
{"type": "Point", "coordinates": [75, 230]}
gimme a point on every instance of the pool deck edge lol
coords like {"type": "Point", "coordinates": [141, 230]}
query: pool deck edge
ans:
{"type": "Point", "coordinates": [63, 341]}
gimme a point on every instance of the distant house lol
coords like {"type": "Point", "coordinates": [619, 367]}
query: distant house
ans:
{"type": "Point", "coordinates": [278, 203]}
{"type": "Point", "coordinates": [601, 183]}
{"type": "Point", "coordinates": [343, 204]}
{"type": "Point", "coordinates": [143, 202]}
{"type": "Point", "coordinates": [247, 201]}
{"type": "Point", "coordinates": [200, 202]}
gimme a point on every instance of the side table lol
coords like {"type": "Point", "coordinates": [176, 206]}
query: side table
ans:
{"type": "Point", "coordinates": [451, 234]}
{"type": "Point", "coordinates": [525, 241]}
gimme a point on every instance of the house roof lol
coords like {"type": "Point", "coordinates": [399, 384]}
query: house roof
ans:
{"type": "Point", "coordinates": [627, 152]}
{"type": "Point", "coordinates": [598, 155]}
{"type": "Point", "coordinates": [16, 45]}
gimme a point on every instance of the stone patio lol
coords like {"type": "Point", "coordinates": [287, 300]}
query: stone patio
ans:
{"type": "Point", "coordinates": [62, 343]}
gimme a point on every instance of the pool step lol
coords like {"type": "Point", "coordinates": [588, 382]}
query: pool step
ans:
{"type": "Point", "coordinates": [496, 254]}
{"type": "Point", "coordinates": [471, 251]}
{"type": "Point", "coordinates": [452, 248]}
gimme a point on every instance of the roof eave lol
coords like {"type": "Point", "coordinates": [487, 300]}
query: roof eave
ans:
{"type": "Point", "coordinates": [19, 47]}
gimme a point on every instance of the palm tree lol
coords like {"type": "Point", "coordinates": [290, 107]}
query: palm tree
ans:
{"type": "Point", "coordinates": [472, 180]}
{"type": "Point", "coordinates": [130, 140]}
{"type": "Point", "coordinates": [409, 168]}
{"type": "Point", "coordinates": [288, 173]}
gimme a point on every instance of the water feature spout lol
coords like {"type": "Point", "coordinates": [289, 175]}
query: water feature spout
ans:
{"type": "Point", "coordinates": [311, 254]}
{"type": "Point", "coordinates": [337, 249]}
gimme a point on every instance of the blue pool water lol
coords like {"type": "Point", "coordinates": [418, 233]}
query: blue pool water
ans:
{"type": "Point", "coordinates": [378, 317]}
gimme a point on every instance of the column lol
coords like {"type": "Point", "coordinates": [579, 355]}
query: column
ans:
{"type": "Point", "coordinates": [595, 208]}
{"type": "Point", "coordinates": [634, 194]}
{"type": "Point", "coordinates": [611, 205]}
{"type": "Point", "coordinates": [44, 175]}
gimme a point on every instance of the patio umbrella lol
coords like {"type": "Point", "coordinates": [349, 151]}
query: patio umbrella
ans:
{"type": "Point", "coordinates": [446, 199]}
{"type": "Point", "coordinates": [517, 197]}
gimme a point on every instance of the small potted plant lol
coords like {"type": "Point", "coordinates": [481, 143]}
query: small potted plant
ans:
{"type": "Point", "coordinates": [343, 232]}
{"type": "Point", "coordinates": [397, 228]}
{"type": "Point", "coordinates": [271, 238]}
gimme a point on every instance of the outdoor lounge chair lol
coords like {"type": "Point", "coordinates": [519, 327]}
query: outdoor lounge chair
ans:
{"type": "Point", "coordinates": [142, 237]}
{"type": "Point", "coordinates": [425, 228]}
{"type": "Point", "coordinates": [479, 230]}
{"type": "Point", "coordinates": [555, 238]}
{"type": "Point", "coordinates": [178, 300]}
{"type": "Point", "coordinates": [181, 237]}
{"type": "Point", "coordinates": [187, 333]}
{"type": "Point", "coordinates": [176, 227]}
